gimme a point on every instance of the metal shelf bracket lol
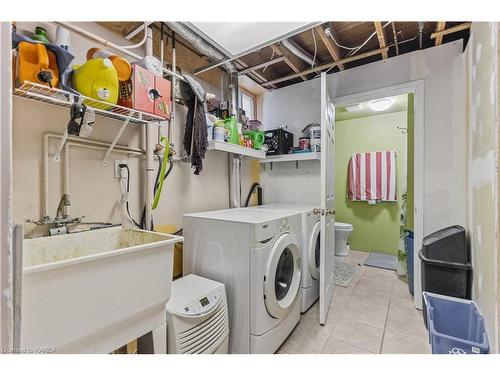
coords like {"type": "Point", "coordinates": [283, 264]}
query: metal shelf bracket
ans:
{"type": "Point", "coordinates": [104, 161]}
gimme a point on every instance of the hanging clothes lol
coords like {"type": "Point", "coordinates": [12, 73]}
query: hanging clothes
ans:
{"type": "Point", "coordinates": [195, 134]}
{"type": "Point", "coordinates": [372, 177]}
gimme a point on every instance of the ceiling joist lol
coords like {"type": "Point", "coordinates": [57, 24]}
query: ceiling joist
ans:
{"type": "Point", "coordinates": [451, 30]}
{"type": "Point", "coordinates": [262, 65]}
{"type": "Point", "coordinates": [440, 27]}
{"type": "Point", "coordinates": [332, 50]}
{"type": "Point", "coordinates": [327, 66]}
{"type": "Point", "coordinates": [253, 74]}
{"type": "Point", "coordinates": [381, 38]}
{"type": "Point", "coordinates": [292, 66]}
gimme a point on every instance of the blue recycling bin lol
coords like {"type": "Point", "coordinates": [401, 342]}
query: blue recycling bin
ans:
{"type": "Point", "coordinates": [409, 259]}
{"type": "Point", "coordinates": [455, 325]}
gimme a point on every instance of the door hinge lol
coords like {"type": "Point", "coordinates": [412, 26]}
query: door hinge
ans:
{"type": "Point", "coordinates": [323, 211]}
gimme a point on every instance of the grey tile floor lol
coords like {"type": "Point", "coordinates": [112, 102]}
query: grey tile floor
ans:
{"type": "Point", "coordinates": [375, 314]}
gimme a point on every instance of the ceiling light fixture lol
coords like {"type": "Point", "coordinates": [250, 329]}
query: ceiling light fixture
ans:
{"type": "Point", "coordinates": [354, 108]}
{"type": "Point", "coordinates": [381, 104]}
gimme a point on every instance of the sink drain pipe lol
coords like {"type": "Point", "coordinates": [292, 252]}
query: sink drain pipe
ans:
{"type": "Point", "coordinates": [151, 134]}
{"type": "Point", "coordinates": [234, 160]}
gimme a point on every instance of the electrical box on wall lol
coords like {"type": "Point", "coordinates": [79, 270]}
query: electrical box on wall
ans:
{"type": "Point", "coordinates": [119, 172]}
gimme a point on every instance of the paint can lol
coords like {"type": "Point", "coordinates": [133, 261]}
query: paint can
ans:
{"type": "Point", "coordinates": [315, 135]}
{"type": "Point", "coordinates": [219, 133]}
{"type": "Point", "coordinates": [304, 143]}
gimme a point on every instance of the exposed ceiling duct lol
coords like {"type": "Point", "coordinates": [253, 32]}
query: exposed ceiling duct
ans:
{"type": "Point", "coordinates": [201, 45]}
{"type": "Point", "coordinates": [298, 51]}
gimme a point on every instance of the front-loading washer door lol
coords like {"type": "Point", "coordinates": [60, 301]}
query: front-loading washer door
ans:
{"type": "Point", "coordinates": [313, 251]}
{"type": "Point", "coordinates": [282, 279]}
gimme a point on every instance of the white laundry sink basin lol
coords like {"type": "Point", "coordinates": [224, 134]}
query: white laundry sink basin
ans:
{"type": "Point", "coordinates": [94, 291]}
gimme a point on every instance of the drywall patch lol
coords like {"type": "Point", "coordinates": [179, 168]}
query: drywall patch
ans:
{"type": "Point", "coordinates": [483, 170]}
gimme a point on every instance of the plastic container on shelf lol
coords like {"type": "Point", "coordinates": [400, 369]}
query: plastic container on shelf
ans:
{"type": "Point", "coordinates": [455, 325]}
{"type": "Point", "coordinates": [35, 63]}
{"type": "Point", "coordinates": [279, 141]}
{"type": "Point", "coordinates": [254, 125]}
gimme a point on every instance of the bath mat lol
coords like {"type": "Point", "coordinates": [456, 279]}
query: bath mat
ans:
{"type": "Point", "coordinates": [384, 261]}
{"type": "Point", "coordinates": [346, 273]}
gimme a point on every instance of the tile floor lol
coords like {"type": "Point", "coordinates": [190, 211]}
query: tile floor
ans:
{"type": "Point", "coordinates": [375, 314]}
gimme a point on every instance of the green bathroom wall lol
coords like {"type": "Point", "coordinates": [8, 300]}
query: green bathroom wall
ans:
{"type": "Point", "coordinates": [376, 227]}
{"type": "Point", "coordinates": [410, 200]}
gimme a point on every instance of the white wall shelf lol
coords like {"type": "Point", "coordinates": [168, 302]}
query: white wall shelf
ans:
{"type": "Point", "coordinates": [62, 98]}
{"type": "Point", "coordinates": [293, 157]}
{"type": "Point", "coordinates": [236, 149]}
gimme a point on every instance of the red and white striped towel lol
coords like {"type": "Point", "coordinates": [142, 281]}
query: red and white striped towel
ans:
{"type": "Point", "coordinates": [372, 176]}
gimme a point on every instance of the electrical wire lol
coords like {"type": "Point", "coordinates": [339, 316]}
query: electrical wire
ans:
{"type": "Point", "coordinates": [315, 49]}
{"type": "Point", "coordinates": [272, 57]}
{"type": "Point", "coordinates": [340, 45]}
{"type": "Point", "coordinates": [128, 190]}
{"type": "Point", "coordinates": [367, 40]}
{"type": "Point", "coordinates": [354, 51]}
{"type": "Point", "coordinates": [141, 42]}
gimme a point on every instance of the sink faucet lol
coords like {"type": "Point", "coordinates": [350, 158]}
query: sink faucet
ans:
{"type": "Point", "coordinates": [64, 202]}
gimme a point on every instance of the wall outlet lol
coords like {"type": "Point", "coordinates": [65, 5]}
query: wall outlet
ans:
{"type": "Point", "coordinates": [120, 172]}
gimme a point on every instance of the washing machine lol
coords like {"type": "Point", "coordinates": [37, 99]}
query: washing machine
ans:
{"type": "Point", "coordinates": [256, 254]}
{"type": "Point", "coordinates": [310, 248]}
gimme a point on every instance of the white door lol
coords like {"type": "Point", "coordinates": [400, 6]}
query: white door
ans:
{"type": "Point", "coordinates": [327, 204]}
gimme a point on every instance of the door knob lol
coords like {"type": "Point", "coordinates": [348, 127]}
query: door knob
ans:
{"type": "Point", "coordinates": [330, 211]}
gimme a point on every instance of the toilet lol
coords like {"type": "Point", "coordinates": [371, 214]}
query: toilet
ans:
{"type": "Point", "coordinates": [342, 233]}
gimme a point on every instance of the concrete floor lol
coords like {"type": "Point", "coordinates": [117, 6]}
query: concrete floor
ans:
{"type": "Point", "coordinates": [375, 314]}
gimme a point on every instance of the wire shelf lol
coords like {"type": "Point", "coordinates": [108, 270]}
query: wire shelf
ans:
{"type": "Point", "coordinates": [61, 98]}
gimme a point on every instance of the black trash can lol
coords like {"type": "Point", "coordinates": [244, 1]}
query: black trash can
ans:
{"type": "Point", "coordinates": [446, 267]}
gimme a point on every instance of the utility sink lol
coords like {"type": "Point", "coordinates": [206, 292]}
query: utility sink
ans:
{"type": "Point", "coordinates": [92, 292]}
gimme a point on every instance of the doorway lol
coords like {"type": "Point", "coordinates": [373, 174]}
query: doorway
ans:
{"type": "Point", "coordinates": [413, 91]}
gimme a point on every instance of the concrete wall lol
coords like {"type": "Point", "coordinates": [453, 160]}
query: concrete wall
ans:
{"type": "Point", "coordinates": [442, 70]}
{"type": "Point", "coordinates": [482, 88]}
{"type": "Point", "coordinates": [376, 227]}
{"type": "Point", "coordinates": [94, 191]}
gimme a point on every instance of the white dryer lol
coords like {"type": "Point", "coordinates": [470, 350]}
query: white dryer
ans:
{"type": "Point", "coordinates": [310, 248]}
{"type": "Point", "coordinates": [256, 254]}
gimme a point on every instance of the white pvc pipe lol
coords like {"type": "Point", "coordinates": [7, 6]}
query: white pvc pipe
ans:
{"type": "Point", "coordinates": [150, 138]}
{"type": "Point", "coordinates": [45, 178]}
{"type": "Point", "coordinates": [75, 142]}
{"type": "Point", "coordinates": [171, 128]}
{"type": "Point", "coordinates": [107, 43]}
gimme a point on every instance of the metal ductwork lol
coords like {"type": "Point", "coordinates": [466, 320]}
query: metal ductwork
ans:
{"type": "Point", "coordinates": [297, 51]}
{"type": "Point", "coordinates": [201, 45]}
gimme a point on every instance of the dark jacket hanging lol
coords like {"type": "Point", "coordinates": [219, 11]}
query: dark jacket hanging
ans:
{"type": "Point", "coordinates": [195, 134]}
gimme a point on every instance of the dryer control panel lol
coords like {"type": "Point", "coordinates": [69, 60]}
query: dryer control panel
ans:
{"type": "Point", "coordinates": [284, 225]}
{"type": "Point", "coordinates": [202, 304]}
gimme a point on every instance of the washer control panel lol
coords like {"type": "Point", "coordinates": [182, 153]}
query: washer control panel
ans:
{"type": "Point", "coordinates": [202, 304]}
